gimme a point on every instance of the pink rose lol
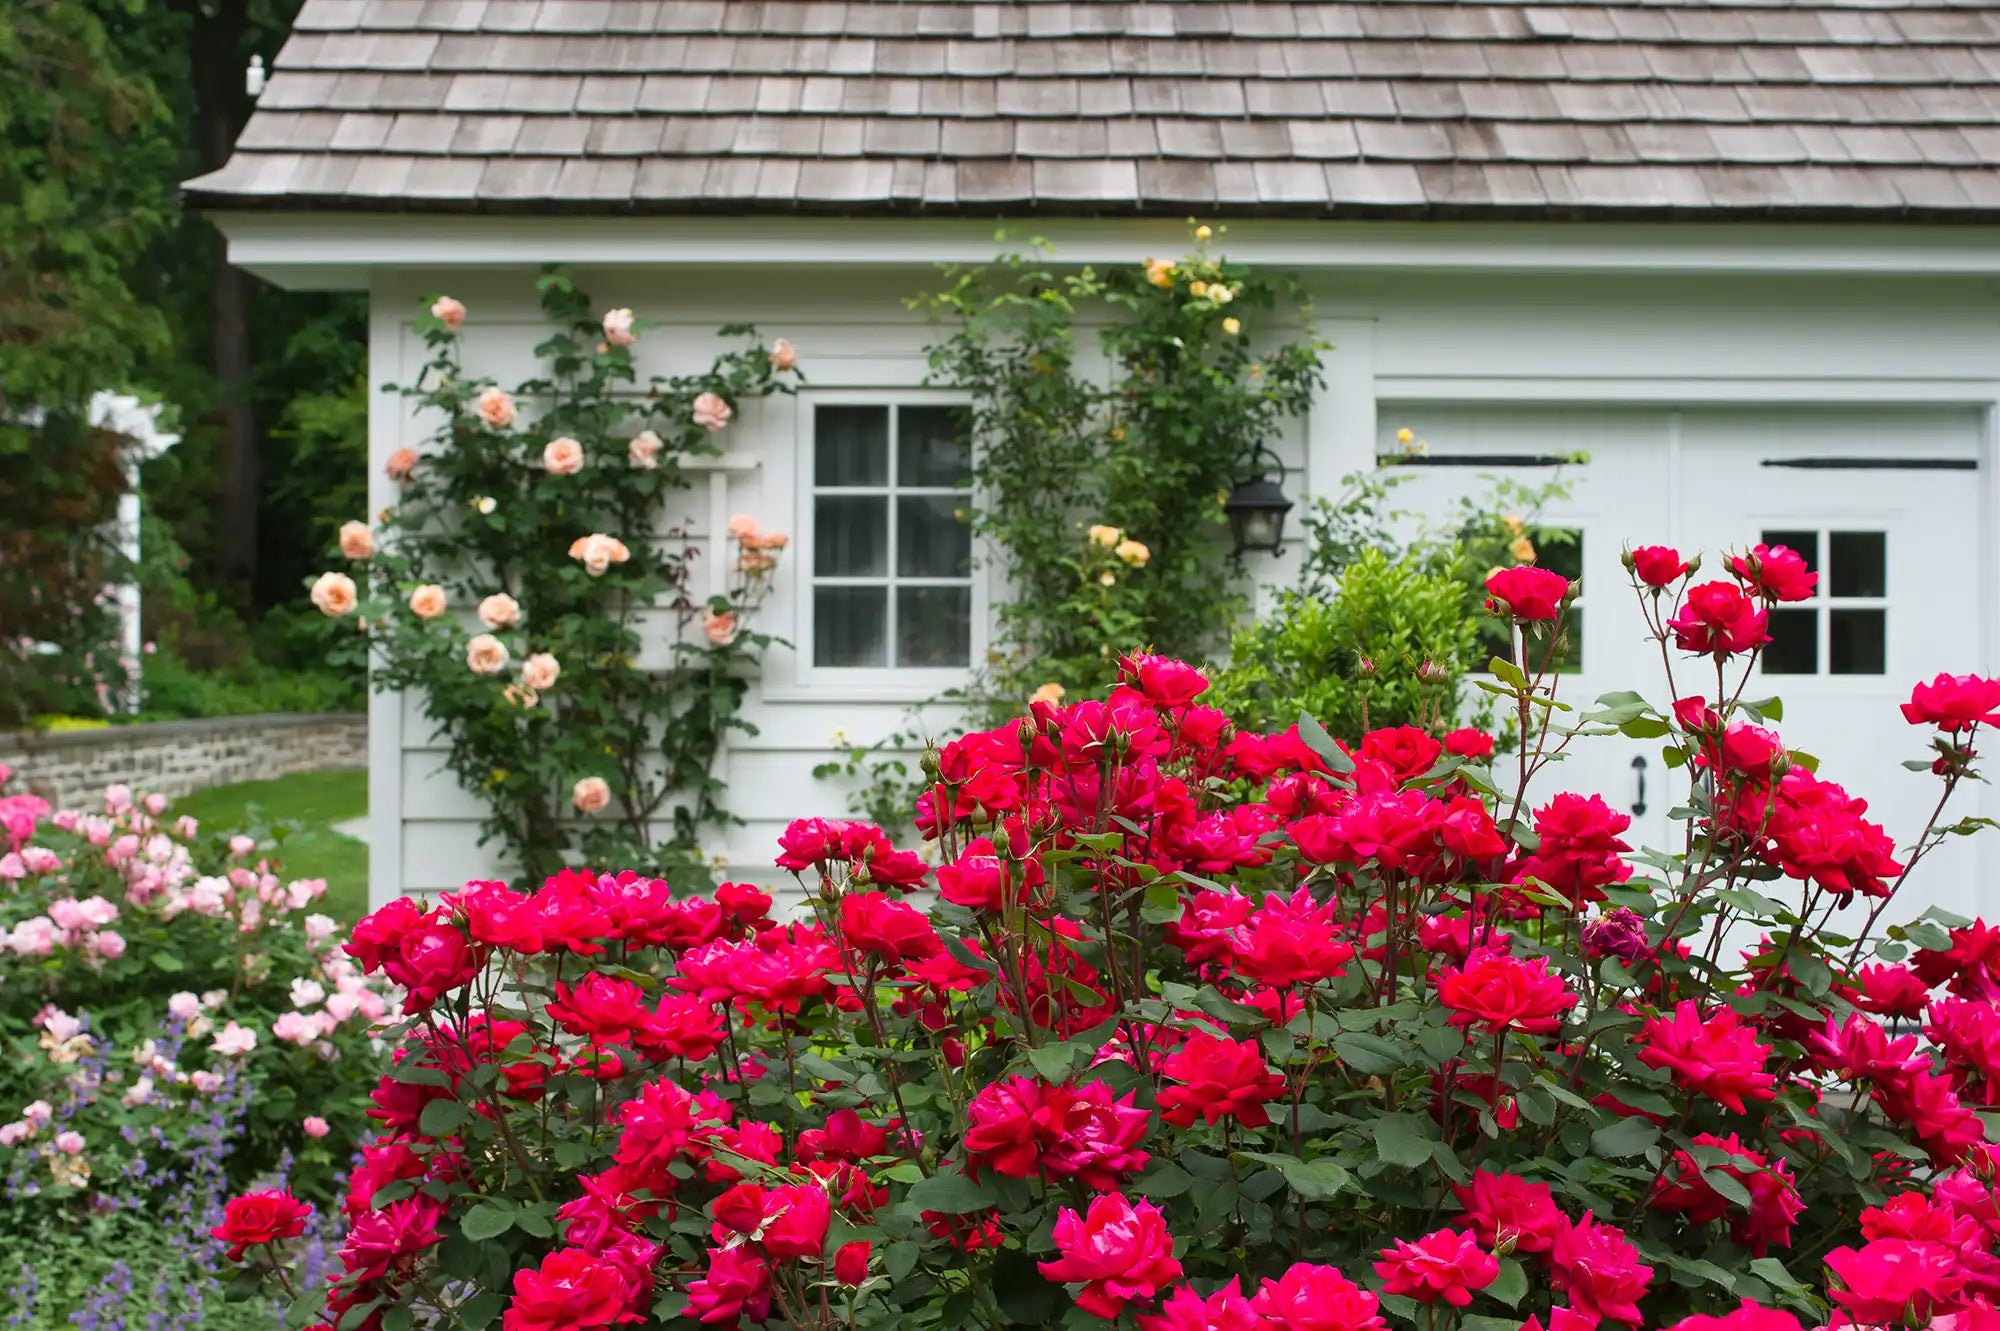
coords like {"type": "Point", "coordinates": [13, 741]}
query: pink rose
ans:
{"type": "Point", "coordinates": [240, 845]}
{"type": "Point", "coordinates": [427, 601]}
{"type": "Point", "coordinates": [499, 611]}
{"type": "Point", "coordinates": [720, 628]}
{"type": "Point", "coordinates": [315, 1126]}
{"type": "Point", "coordinates": [783, 355]}
{"type": "Point", "coordinates": [743, 527]}
{"type": "Point", "coordinates": [711, 412]}
{"type": "Point", "coordinates": [184, 1005]}
{"type": "Point", "coordinates": [496, 408]}
{"type": "Point", "coordinates": [400, 464]}
{"type": "Point", "coordinates": [644, 450]}
{"type": "Point", "coordinates": [449, 312]}
{"type": "Point", "coordinates": [592, 795]}
{"type": "Point", "coordinates": [108, 943]}
{"type": "Point", "coordinates": [485, 655]}
{"type": "Point", "coordinates": [334, 594]}
{"type": "Point", "coordinates": [356, 541]}
{"type": "Point", "coordinates": [234, 1039]}
{"type": "Point", "coordinates": [539, 672]}
{"type": "Point", "coordinates": [69, 1142]}
{"type": "Point", "coordinates": [156, 804]}
{"type": "Point", "coordinates": [618, 328]}
{"type": "Point", "coordinates": [562, 457]}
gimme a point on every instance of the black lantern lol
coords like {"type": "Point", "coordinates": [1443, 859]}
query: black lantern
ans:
{"type": "Point", "coordinates": [1257, 506]}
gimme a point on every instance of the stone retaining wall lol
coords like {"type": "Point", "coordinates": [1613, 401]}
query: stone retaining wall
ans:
{"type": "Point", "coordinates": [177, 757]}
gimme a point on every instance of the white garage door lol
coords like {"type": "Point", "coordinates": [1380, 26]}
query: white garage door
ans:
{"type": "Point", "coordinates": [1887, 507]}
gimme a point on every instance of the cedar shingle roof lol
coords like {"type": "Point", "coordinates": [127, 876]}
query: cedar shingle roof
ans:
{"type": "Point", "coordinates": [1753, 108]}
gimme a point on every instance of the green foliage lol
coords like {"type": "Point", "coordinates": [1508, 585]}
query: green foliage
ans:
{"type": "Point", "coordinates": [652, 672]}
{"type": "Point", "coordinates": [1386, 647]}
{"type": "Point", "coordinates": [1196, 386]}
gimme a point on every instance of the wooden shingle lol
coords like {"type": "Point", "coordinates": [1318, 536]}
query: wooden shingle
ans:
{"type": "Point", "coordinates": [1740, 107]}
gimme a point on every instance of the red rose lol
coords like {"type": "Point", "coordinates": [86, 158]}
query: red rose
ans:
{"type": "Point", "coordinates": [1446, 1264]}
{"type": "Point", "coordinates": [1165, 681]}
{"type": "Point", "coordinates": [1954, 702]}
{"type": "Point", "coordinates": [1117, 1251]}
{"type": "Point", "coordinates": [880, 927]}
{"type": "Point", "coordinates": [1529, 593]}
{"type": "Point", "coordinates": [850, 1264]}
{"type": "Point", "coordinates": [376, 934]}
{"type": "Point", "coordinates": [260, 1217]}
{"type": "Point", "coordinates": [1218, 1078]}
{"type": "Point", "coordinates": [797, 1223]}
{"type": "Point", "coordinates": [498, 917]}
{"type": "Point", "coordinates": [1717, 619]}
{"type": "Point", "coordinates": [1502, 1208]}
{"type": "Point", "coordinates": [1657, 565]}
{"type": "Point", "coordinates": [1497, 993]}
{"type": "Point", "coordinates": [1893, 1280]}
{"type": "Point", "coordinates": [599, 1007]}
{"type": "Point", "coordinates": [1309, 1297]}
{"type": "Point", "coordinates": [430, 961]}
{"type": "Point", "coordinates": [1469, 742]}
{"type": "Point", "coordinates": [1712, 1054]}
{"type": "Point", "coordinates": [1775, 572]}
{"type": "Point", "coordinates": [571, 1288]}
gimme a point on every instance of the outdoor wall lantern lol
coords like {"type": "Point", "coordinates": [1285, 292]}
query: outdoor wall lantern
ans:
{"type": "Point", "coordinates": [1257, 506]}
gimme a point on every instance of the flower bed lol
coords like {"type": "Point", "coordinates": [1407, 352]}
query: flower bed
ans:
{"type": "Point", "coordinates": [1218, 1030]}
{"type": "Point", "coordinates": [179, 1024]}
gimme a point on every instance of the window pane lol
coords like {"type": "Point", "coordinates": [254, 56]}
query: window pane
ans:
{"type": "Point", "coordinates": [851, 446]}
{"type": "Point", "coordinates": [1805, 542]}
{"type": "Point", "coordinates": [1860, 563]}
{"type": "Point", "coordinates": [1794, 646]}
{"type": "Point", "coordinates": [851, 536]}
{"type": "Point", "coordinates": [933, 537]}
{"type": "Point", "coordinates": [932, 446]}
{"type": "Point", "coordinates": [1559, 550]}
{"type": "Point", "coordinates": [1857, 640]}
{"type": "Point", "coordinates": [1568, 655]}
{"type": "Point", "coordinates": [851, 626]}
{"type": "Point", "coordinates": [933, 626]}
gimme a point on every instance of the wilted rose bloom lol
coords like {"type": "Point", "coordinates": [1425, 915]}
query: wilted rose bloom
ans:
{"type": "Point", "coordinates": [400, 464]}
{"type": "Point", "coordinates": [618, 328]}
{"type": "Point", "coordinates": [427, 601]}
{"type": "Point", "coordinates": [711, 412]}
{"type": "Point", "coordinates": [784, 355]}
{"type": "Point", "coordinates": [539, 672]}
{"type": "Point", "coordinates": [520, 695]}
{"type": "Point", "coordinates": [356, 541]}
{"type": "Point", "coordinates": [315, 1126]}
{"type": "Point", "coordinates": [562, 457]}
{"type": "Point", "coordinates": [334, 594]}
{"type": "Point", "coordinates": [1133, 552]}
{"type": "Point", "coordinates": [591, 795]}
{"type": "Point", "coordinates": [499, 611]}
{"type": "Point", "coordinates": [485, 655]}
{"type": "Point", "coordinates": [644, 450]}
{"type": "Point", "coordinates": [496, 407]}
{"type": "Point", "coordinates": [449, 312]}
{"type": "Point", "coordinates": [719, 628]}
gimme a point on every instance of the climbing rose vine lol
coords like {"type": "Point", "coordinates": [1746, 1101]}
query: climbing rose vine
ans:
{"type": "Point", "coordinates": [1212, 1030]}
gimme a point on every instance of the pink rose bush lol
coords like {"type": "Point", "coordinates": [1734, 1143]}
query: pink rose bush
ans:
{"type": "Point", "coordinates": [180, 1020]}
{"type": "Point", "coordinates": [1191, 1027]}
{"type": "Point", "coordinates": [536, 555]}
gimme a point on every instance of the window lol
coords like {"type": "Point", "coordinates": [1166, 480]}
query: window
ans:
{"type": "Point", "coordinates": [891, 537]}
{"type": "Point", "coordinates": [1844, 628]}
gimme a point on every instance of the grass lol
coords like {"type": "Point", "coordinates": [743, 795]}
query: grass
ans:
{"type": "Point", "coordinates": [314, 802]}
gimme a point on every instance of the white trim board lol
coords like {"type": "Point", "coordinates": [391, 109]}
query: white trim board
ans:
{"type": "Point", "coordinates": [338, 250]}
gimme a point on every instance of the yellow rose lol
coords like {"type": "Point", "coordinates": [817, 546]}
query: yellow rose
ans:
{"type": "Point", "coordinates": [1523, 550]}
{"type": "Point", "coordinates": [1405, 435]}
{"type": "Point", "coordinates": [1134, 553]}
{"type": "Point", "coordinates": [1106, 536]}
{"type": "Point", "coordinates": [1232, 326]}
{"type": "Point", "coordinates": [1160, 272]}
{"type": "Point", "coordinates": [1197, 289]}
{"type": "Point", "coordinates": [1202, 233]}
{"type": "Point", "coordinates": [1107, 578]}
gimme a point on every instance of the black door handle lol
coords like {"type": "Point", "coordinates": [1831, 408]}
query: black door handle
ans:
{"type": "Point", "coordinates": [1639, 770]}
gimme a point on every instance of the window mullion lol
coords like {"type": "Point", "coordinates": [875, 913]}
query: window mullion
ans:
{"type": "Point", "coordinates": [889, 652]}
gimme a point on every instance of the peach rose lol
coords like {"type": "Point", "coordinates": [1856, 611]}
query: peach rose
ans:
{"type": "Point", "coordinates": [618, 328]}
{"type": "Point", "coordinates": [496, 408]}
{"type": "Point", "coordinates": [592, 795]}
{"type": "Point", "coordinates": [1050, 693]}
{"type": "Point", "coordinates": [599, 552]}
{"type": "Point", "coordinates": [644, 450]}
{"type": "Point", "coordinates": [767, 540]}
{"type": "Point", "coordinates": [427, 601]}
{"type": "Point", "coordinates": [499, 611]}
{"type": "Point", "coordinates": [711, 412]}
{"type": "Point", "coordinates": [449, 312]}
{"type": "Point", "coordinates": [1160, 272]}
{"type": "Point", "coordinates": [334, 594]}
{"type": "Point", "coordinates": [1134, 553]}
{"type": "Point", "coordinates": [563, 457]}
{"type": "Point", "coordinates": [485, 655]}
{"type": "Point", "coordinates": [1105, 536]}
{"type": "Point", "coordinates": [784, 355]}
{"type": "Point", "coordinates": [400, 464]}
{"type": "Point", "coordinates": [356, 541]}
{"type": "Point", "coordinates": [520, 695]}
{"type": "Point", "coordinates": [720, 628]}
{"type": "Point", "coordinates": [743, 527]}
{"type": "Point", "coordinates": [540, 671]}
{"type": "Point", "coordinates": [755, 562]}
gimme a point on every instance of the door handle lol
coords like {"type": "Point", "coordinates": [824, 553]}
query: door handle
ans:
{"type": "Point", "coordinates": [1639, 770]}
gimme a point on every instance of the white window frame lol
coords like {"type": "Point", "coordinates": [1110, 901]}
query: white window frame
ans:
{"type": "Point", "coordinates": [1823, 603]}
{"type": "Point", "coordinates": [871, 683]}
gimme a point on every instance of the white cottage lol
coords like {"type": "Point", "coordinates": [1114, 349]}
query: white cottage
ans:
{"type": "Point", "coordinates": [1745, 254]}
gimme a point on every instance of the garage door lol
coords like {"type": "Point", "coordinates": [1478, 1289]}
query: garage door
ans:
{"type": "Point", "coordinates": [1887, 507]}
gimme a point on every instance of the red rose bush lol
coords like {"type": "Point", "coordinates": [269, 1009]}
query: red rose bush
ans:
{"type": "Point", "coordinates": [1191, 1028]}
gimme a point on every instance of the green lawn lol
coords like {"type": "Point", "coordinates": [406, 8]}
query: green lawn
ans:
{"type": "Point", "coordinates": [302, 809]}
